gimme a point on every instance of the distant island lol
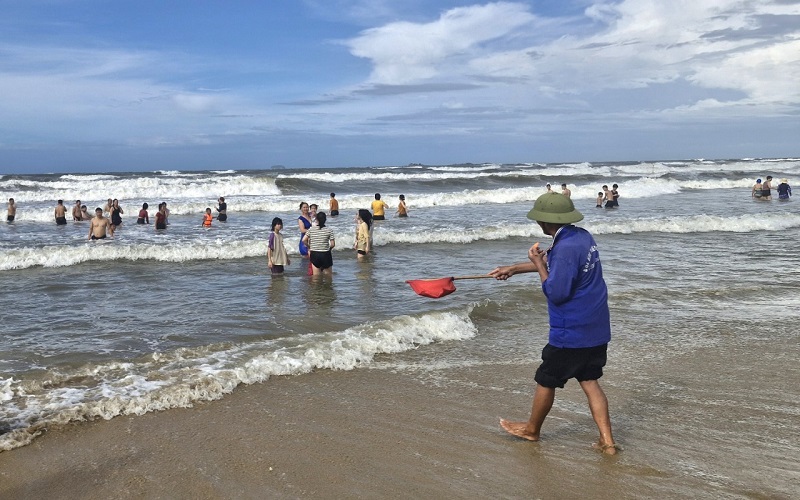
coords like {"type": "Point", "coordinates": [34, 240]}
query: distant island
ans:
{"type": "Point", "coordinates": [278, 167]}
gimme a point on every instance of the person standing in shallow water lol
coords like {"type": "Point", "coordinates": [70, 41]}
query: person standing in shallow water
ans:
{"type": "Point", "coordinates": [320, 241]}
{"type": "Point", "coordinates": [756, 191]}
{"type": "Point", "coordinates": [378, 208]}
{"type": "Point", "coordinates": [60, 213]}
{"type": "Point", "coordinates": [277, 257]}
{"type": "Point", "coordinates": [402, 209]}
{"type": "Point", "coordinates": [99, 226]}
{"type": "Point", "coordinates": [303, 223]}
{"type": "Point", "coordinates": [363, 240]}
{"type": "Point", "coordinates": [766, 189]}
{"type": "Point", "coordinates": [222, 210]}
{"type": "Point", "coordinates": [334, 206]}
{"type": "Point", "coordinates": [12, 210]}
{"type": "Point", "coordinates": [784, 190]}
{"type": "Point", "coordinates": [76, 211]}
{"type": "Point", "coordinates": [580, 325]}
{"type": "Point", "coordinates": [116, 213]}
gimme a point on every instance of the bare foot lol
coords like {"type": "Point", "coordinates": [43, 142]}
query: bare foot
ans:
{"type": "Point", "coordinates": [519, 429]}
{"type": "Point", "coordinates": [607, 449]}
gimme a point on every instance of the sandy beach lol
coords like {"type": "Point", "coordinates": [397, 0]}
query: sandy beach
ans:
{"type": "Point", "coordinates": [434, 434]}
{"type": "Point", "coordinates": [322, 435]}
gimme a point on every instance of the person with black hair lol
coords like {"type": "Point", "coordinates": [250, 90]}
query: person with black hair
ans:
{"type": "Point", "coordinates": [378, 208]}
{"type": "Point", "coordinates": [320, 242]}
{"type": "Point", "coordinates": [277, 257]}
{"type": "Point", "coordinates": [334, 211]}
{"type": "Point", "coordinates": [363, 243]}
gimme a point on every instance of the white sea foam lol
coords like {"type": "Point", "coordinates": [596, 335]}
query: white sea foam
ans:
{"type": "Point", "coordinates": [6, 393]}
{"type": "Point", "coordinates": [454, 173]}
{"type": "Point", "coordinates": [144, 187]}
{"type": "Point", "coordinates": [231, 247]}
{"type": "Point", "coordinates": [182, 377]}
{"type": "Point", "coordinates": [87, 177]}
{"type": "Point", "coordinates": [699, 224]}
{"type": "Point", "coordinates": [173, 251]}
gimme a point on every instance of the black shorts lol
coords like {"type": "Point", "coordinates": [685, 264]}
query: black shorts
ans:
{"type": "Point", "coordinates": [10, 218]}
{"type": "Point", "coordinates": [222, 217]}
{"type": "Point", "coordinates": [361, 252]}
{"type": "Point", "coordinates": [322, 260]}
{"type": "Point", "coordinates": [378, 217]}
{"type": "Point", "coordinates": [334, 213]}
{"type": "Point", "coordinates": [61, 221]}
{"type": "Point", "coordinates": [561, 364]}
{"type": "Point", "coordinates": [98, 237]}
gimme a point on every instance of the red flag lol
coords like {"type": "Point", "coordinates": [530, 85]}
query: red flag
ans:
{"type": "Point", "coordinates": [435, 288]}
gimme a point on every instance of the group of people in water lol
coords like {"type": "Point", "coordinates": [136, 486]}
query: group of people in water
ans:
{"type": "Point", "coordinates": [317, 240]}
{"type": "Point", "coordinates": [763, 190]}
{"type": "Point", "coordinates": [608, 198]}
{"type": "Point", "coordinates": [102, 226]}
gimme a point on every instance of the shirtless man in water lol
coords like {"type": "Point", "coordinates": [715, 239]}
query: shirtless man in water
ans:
{"type": "Point", "coordinates": [60, 213]}
{"type": "Point", "coordinates": [76, 211]}
{"type": "Point", "coordinates": [99, 226]}
{"type": "Point", "coordinates": [12, 210]}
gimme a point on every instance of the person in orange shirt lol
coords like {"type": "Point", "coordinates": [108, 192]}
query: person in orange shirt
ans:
{"type": "Point", "coordinates": [378, 208]}
{"type": "Point", "coordinates": [207, 218]}
{"type": "Point", "coordinates": [402, 209]}
{"type": "Point", "coordinates": [334, 210]}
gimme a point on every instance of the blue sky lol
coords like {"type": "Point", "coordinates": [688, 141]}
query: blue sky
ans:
{"type": "Point", "coordinates": [116, 85]}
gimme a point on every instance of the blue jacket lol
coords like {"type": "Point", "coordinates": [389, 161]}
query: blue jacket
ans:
{"type": "Point", "coordinates": [577, 297]}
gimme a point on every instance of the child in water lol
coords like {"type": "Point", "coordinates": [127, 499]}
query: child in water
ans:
{"type": "Point", "coordinates": [276, 251]}
{"type": "Point", "coordinates": [599, 200]}
{"type": "Point", "coordinates": [207, 218]}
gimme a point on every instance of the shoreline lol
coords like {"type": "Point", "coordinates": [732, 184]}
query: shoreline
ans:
{"type": "Point", "coordinates": [324, 435]}
{"type": "Point", "coordinates": [398, 431]}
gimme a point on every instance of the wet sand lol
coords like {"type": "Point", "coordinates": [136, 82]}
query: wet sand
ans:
{"type": "Point", "coordinates": [391, 433]}
{"type": "Point", "coordinates": [366, 433]}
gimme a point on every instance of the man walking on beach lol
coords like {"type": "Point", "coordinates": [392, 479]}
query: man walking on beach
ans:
{"type": "Point", "coordinates": [580, 326]}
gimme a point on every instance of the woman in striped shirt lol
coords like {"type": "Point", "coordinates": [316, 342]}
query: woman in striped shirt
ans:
{"type": "Point", "coordinates": [320, 241]}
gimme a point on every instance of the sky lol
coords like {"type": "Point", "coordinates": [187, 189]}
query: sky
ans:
{"type": "Point", "coordinates": [117, 85]}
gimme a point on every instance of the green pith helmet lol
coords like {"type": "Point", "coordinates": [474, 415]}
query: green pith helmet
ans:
{"type": "Point", "coordinates": [554, 208]}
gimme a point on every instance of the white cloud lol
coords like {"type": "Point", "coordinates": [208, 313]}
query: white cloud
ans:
{"type": "Point", "coordinates": [713, 44]}
{"type": "Point", "coordinates": [404, 52]}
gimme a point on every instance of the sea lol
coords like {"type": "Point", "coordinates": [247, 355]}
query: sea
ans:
{"type": "Point", "coordinates": [703, 282]}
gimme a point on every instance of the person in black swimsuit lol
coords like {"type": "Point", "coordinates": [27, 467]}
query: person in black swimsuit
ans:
{"type": "Point", "coordinates": [222, 209]}
{"type": "Point", "coordinates": [116, 213]}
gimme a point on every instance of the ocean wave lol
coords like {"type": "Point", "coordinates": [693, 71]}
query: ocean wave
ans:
{"type": "Point", "coordinates": [699, 224]}
{"type": "Point", "coordinates": [87, 177]}
{"type": "Point", "coordinates": [144, 187]}
{"type": "Point", "coordinates": [180, 378]}
{"type": "Point", "coordinates": [183, 249]}
{"type": "Point", "coordinates": [439, 174]}
{"type": "Point", "coordinates": [110, 250]}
